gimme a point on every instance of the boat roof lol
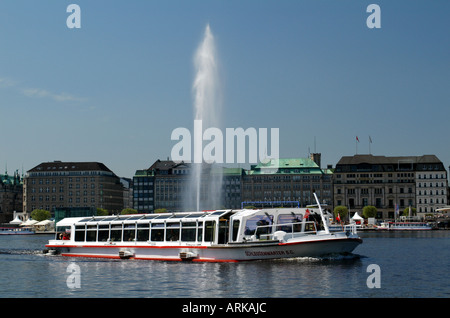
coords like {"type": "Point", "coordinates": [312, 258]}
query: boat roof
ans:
{"type": "Point", "coordinates": [184, 216]}
{"type": "Point", "coordinates": [175, 216]}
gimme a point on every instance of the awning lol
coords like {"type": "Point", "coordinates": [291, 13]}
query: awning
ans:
{"type": "Point", "coordinates": [357, 217]}
{"type": "Point", "coordinates": [16, 221]}
{"type": "Point", "coordinates": [29, 222]}
{"type": "Point", "coordinates": [45, 222]}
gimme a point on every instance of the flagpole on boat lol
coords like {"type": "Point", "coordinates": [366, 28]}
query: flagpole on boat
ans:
{"type": "Point", "coordinates": [325, 225]}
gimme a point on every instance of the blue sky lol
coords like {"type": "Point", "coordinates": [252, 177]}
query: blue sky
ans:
{"type": "Point", "coordinates": [114, 90]}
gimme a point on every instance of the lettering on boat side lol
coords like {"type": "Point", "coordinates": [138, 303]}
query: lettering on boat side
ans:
{"type": "Point", "coordinates": [269, 253]}
{"type": "Point", "coordinates": [254, 308]}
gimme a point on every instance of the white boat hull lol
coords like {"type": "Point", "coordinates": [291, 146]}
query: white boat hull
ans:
{"type": "Point", "coordinates": [335, 243]}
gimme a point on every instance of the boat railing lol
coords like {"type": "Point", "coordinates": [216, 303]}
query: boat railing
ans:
{"type": "Point", "coordinates": [295, 229]}
{"type": "Point", "coordinates": [350, 228]}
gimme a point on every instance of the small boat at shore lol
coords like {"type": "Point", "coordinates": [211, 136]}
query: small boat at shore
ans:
{"type": "Point", "coordinates": [204, 236]}
{"type": "Point", "coordinates": [405, 226]}
{"type": "Point", "coordinates": [16, 231]}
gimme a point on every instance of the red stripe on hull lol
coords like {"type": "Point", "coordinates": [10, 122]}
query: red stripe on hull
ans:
{"type": "Point", "coordinates": [151, 258]}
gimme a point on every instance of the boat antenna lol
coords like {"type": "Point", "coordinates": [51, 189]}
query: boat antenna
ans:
{"type": "Point", "coordinates": [325, 225]}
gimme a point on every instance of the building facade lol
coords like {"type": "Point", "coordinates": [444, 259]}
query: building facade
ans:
{"type": "Point", "coordinates": [387, 182]}
{"type": "Point", "coordinates": [167, 185]}
{"type": "Point", "coordinates": [143, 196]}
{"type": "Point", "coordinates": [11, 193]}
{"type": "Point", "coordinates": [57, 184]}
{"type": "Point", "coordinates": [282, 180]}
{"type": "Point", "coordinates": [431, 185]}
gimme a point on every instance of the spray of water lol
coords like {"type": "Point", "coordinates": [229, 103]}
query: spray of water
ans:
{"type": "Point", "coordinates": [207, 108]}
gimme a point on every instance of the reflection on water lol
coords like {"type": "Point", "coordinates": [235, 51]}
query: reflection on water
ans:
{"type": "Point", "coordinates": [411, 266]}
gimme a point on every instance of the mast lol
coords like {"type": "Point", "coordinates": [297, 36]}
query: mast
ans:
{"type": "Point", "coordinates": [325, 225]}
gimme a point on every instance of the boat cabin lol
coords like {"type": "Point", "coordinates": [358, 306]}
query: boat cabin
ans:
{"type": "Point", "coordinates": [191, 228]}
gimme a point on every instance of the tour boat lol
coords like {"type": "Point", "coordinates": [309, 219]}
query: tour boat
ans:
{"type": "Point", "coordinates": [205, 236]}
{"type": "Point", "coordinates": [16, 231]}
{"type": "Point", "coordinates": [405, 226]}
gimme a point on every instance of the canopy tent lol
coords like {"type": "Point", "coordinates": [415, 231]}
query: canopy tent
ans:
{"type": "Point", "coordinates": [45, 222]}
{"type": "Point", "coordinates": [29, 222]}
{"type": "Point", "coordinates": [357, 219]}
{"type": "Point", "coordinates": [16, 221]}
{"type": "Point", "coordinates": [45, 225]}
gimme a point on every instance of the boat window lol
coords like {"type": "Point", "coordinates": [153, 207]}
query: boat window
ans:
{"type": "Point", "coordinates": [188, 230]}
{"type": "Point", "coordinates": [129, 232]}
{"type": "Point", "coordinates": [157, 233]}
{"type": "Point", "coordinates": [163, 216]}
{"type": "Point", "coordinates": [91, 235]}
{"type": "Point", "coordinates": [172, 231]}
{"type": "Point", "coordinates": [223, 231]}
{"type": "Point", "coordinates": [257, 220]}
{"type": "Point", "coordinates": [79, 235]}
{"type": "Point", "coordinates": [109, 218]}
{"type": "Point", "coordinates": [210, 229]}
{"type": "Point", "coordinates": [143, 235]}
{"type": "Point", "coordinates": [196, 215]}
{"type": "Point", "coordinates": [103, 233]}
{"type": "Point", "coordinates": [150, 216]}
{"type": "Point", "coordinates": [218, 213]}
{"type": "Point", "coordinates": [86, 220]}
{"type": "Point", "coordinates": [288, 219]}
{"type": "Point", "coordinates": [200, 232]}
{"type": "Point", "coordinates": [179, 216]}
{"type": "Point", "coordinates": [116, 233]}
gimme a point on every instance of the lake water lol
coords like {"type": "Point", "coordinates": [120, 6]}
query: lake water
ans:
{"type": "Point", "coordinates": [411, 265]}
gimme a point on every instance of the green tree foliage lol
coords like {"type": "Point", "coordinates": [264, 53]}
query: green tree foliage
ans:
{"type": "Point", "coordinates": [406, 212]}
{"type": "Point", "coordinates": [128, 211]}
{"type": "Point", "coordinates": [40, 215]}
{"type": "Point", "coordinates": [102, 212]}
{"type": "Point", "coordinates": [369, 211]}
{"type": "Point", "coordinates": [341, 210]}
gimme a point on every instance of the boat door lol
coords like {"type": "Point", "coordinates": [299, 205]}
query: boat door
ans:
{"type": "Point", "coordinates": [223, 230]}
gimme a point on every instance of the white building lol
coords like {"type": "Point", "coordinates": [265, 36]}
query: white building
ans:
{"type": "Point", "coordinates": [431, 185]}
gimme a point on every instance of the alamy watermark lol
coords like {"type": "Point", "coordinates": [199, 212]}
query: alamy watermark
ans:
{"type": "Point", "coordinates": [374, 279]}
{"type": "Point", "coordinates": [192, 149]}
{"type": "Point", "coordinates": [73, 281]}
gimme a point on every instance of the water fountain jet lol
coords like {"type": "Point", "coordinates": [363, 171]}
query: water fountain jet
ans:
{"type": "Point", "coordinates": [207, 108]}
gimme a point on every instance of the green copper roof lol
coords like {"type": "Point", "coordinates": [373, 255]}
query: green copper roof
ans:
{"type": "Point", "coordinates": [288, 166]}
{"type": "Point", "coordinates": [289, 163]}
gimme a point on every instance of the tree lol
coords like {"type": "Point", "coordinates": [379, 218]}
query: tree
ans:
{"type": "Point", "coordinates": [162, 210]}
{"type": "Point", "coordinates": [369, 211]}
{"type": "Point", "coordinates": [102, 212]}
{"type": "Point", "coordinates": [40, 215]}
{"type": "Point", "coordinates": [128, 211]}
{"type": "Point", "coordinates": [406, 212]}
{"type": "Point", "coordinates": [341, 210]}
